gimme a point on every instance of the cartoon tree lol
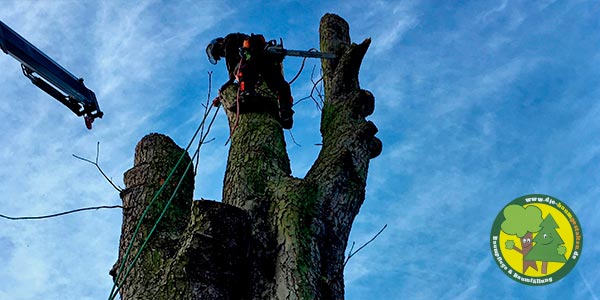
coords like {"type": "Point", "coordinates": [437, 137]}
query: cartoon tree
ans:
{"type": "Point", "coordinates": [522, 222]}
{"type": "Point", "coordinates": [549, 246]}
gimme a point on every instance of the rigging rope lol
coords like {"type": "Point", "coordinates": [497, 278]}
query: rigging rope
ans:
{"type": "Point", "coordinates": [117, 284]}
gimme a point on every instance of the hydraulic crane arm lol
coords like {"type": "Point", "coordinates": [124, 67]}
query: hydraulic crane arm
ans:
{"type": "Point", "coordinates": [53, 79]}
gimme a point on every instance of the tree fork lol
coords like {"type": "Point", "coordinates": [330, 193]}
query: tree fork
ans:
{"type": "Point", "coordinates": [273, 236]}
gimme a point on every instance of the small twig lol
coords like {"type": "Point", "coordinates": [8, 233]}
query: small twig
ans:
{"type": "Point", "coordinates": [351, 248]}
{"type": "Point", "coordinates": [207, 108]}
{"type": "Point", "coordinates": [316, 87]}
{"type": "Point", "coordinates": [301, 99]}
{"type": "Point", "coordinates": [209, 141]}
{"type": "Point", "coordinates": [312, 91]}
{"type": "Point", "coordinates": [119, 189]}
{"type": "Point", "coordinates": [350, 253]}
{"type": "Point", "coordinates": [205, 133]}
{"type": "Point", "coordinates": [294, 139]}
{"type": "Point", "coordinates": [299, 72]}
{"type": "Point", "coordinates": [302, 66]}
{"type": "Point", "coordinates": [319, 91]}
{"type": "Point", "coordinates": [60, 214]}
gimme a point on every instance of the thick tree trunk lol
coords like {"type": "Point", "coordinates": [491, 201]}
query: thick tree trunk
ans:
{"type": "Point", "coordinates": [273, 236]}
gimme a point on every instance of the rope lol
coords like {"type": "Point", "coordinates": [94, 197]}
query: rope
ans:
{"type": "Point", "coordinates": [302, 66]}
{"type": "Point", "coordinates": [116, 286]}
{"type": "Point", "coordinates": [237, 107]}
{"type": "Point", "coordinates": [299, 71]}
{"type": "Point", "coordinates": [59, 214]}
{"type": "Point", "coordinates": [139, 252]}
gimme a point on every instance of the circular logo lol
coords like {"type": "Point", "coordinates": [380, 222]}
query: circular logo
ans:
{"type": "Point", "coordinates": [536, 239]}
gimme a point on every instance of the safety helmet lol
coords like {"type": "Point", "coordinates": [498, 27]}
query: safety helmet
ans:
{"type": "Point", "coordinates": [214, 49]}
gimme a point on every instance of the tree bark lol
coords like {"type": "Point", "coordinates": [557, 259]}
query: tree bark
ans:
{"type": "Point", "coordinates": [273, 236]}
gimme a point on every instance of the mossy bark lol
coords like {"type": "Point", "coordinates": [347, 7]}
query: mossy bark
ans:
{"type": "Point", "coordinates": [273, 236]}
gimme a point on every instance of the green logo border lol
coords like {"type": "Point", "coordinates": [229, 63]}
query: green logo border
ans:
{"type": "Point", "coordinates": [518, 276]}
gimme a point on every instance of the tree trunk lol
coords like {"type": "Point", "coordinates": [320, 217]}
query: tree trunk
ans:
{"type": "Point", "coordinates": [273, 236]}
{"type": "Point", "coordinates": [544, 267]}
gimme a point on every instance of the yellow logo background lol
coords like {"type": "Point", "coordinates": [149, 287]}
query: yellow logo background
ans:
{"type": "Point", "coordinates": [515, 259]}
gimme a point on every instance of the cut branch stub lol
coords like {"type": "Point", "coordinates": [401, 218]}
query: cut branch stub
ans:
{"type": "Point", "coordinates": [156, 155]}
{"type": "Point", "coordinates": [213, 252]}
{"type": "Point", "coordinates": [346, 75]}
{"type": "Point", "coordinates": [334, 33]}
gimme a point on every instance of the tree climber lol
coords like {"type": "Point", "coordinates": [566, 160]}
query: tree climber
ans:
{"type": "Point", "coordinates": [246, 60]}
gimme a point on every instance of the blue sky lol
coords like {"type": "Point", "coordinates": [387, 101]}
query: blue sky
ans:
{"type": "Point", "coordinates": [477, 103]}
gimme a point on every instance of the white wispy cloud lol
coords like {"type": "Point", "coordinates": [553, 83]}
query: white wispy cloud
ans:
{"type": "Point", "coordinates": [452, 148]}
{"type": "Point", "coordinates": [133, 55]}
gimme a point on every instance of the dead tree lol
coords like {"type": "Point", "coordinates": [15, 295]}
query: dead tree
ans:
{"type": "Point", "coordinates": [273, 236]}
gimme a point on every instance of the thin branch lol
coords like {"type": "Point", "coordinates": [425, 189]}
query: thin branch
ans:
{"type": "Point", "coordinates": [350, 253]}
{"type": "Point", "coordinates": [351, 248]}
{"type": "Point", "coordinates": [294, 139]}
{"type": "Point", "coordinates": [302, 66]}
{"type": "Point", "coordinates": [301, 99]}
{"type": "Point", "coordinates": [299, 72]}
{"type": "Point", "coordinates": [61, 213]}
{"type": "Point", "coordinates": [312, 91]}
{"type": "Point", "coordinates": [207, 108]}
{"type": "Point", "coordinates": [119, 189]}
{"type": "Point", "coordinates": [209, 141]}
{"type": "Point", "coordinates": [319, 90]}
{"type": "Point", "coordinates": [205, 133]}
{"type": "Point", "coordinates": [316, 87]}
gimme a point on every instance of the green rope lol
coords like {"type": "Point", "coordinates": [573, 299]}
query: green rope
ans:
{"type": "Point", "coordinates": [117, 284]}
{"type": "Point", "coordinates": [115, 287]}
{"type": "Point", "coordinates": [139, 252]}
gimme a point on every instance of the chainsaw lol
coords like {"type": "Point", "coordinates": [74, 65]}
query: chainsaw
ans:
{"type": "Point", "coordinates": [277, 49]}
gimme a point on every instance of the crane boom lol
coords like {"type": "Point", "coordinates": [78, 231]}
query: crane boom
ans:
{"type": "Point", "coordinates": [52, 77]}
